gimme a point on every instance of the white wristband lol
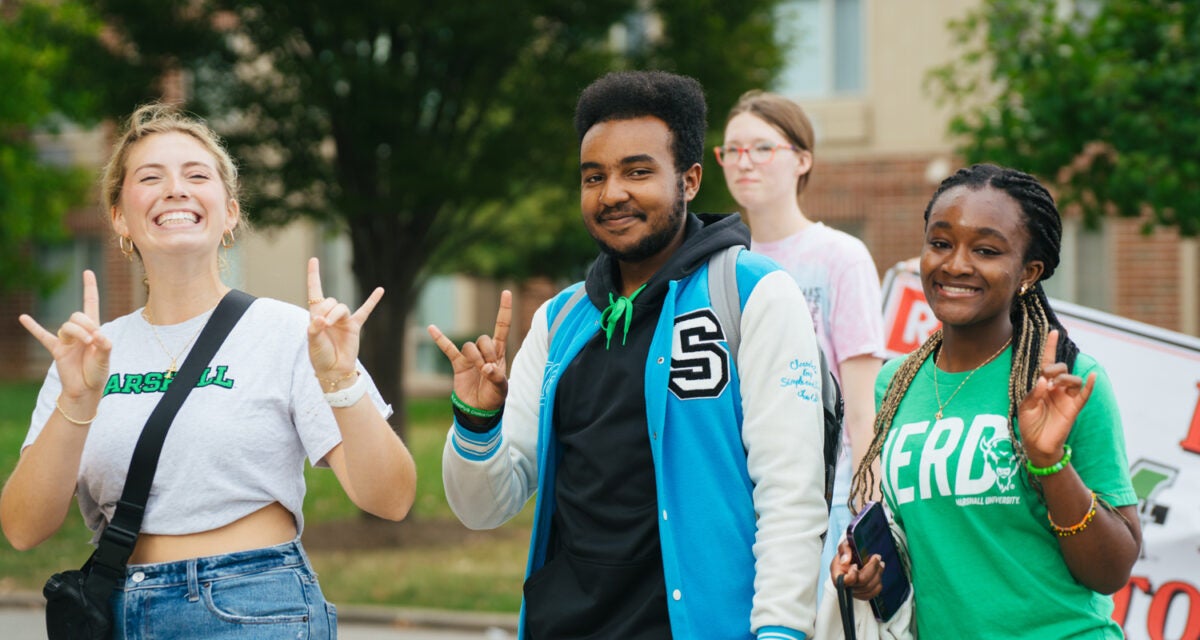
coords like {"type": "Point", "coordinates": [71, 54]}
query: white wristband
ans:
{"type": "Point", "coordinates": [350, 395]}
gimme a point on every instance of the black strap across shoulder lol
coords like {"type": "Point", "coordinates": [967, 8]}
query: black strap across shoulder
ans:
{"type": "Point", "coordinates": [107, 564]}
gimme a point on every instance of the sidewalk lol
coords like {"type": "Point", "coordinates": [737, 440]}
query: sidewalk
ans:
{"type": "Point", "coordinates": [23, 618]}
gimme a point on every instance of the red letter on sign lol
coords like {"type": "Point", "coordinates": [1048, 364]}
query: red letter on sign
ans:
{"type": "Point", "coordinates": [1192, 441]}
{"type": "Point", "coordinates": [1122, 597]}
{"type": "Point", "coordinates": [1157, 617]}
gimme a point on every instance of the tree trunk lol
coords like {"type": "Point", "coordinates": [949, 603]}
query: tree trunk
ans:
{"type": "Point", "coordinates": [378, 260]}
{"type": "Point", "coordinates": [383, 353]}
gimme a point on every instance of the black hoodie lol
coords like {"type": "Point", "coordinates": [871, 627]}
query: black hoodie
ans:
{"type": "Point", "coordinates": [603, 576]}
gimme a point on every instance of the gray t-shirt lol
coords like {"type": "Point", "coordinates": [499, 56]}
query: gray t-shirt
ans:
{"type": "Point", "coordinates": [238, 443]}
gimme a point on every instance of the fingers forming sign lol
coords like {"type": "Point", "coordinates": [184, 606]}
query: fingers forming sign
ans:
{"type": "Point", "coordinates": [79, 350]}
{"type": "Point", "coordinates": [480, 367]}
{"type": "Point", "coordinates": [333, 331]}
{"type": "Point", "coordinates": [1048, 412]}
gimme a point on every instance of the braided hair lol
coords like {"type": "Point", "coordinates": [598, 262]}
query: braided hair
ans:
{"type": "Point", "coordinates": [1031, 315]}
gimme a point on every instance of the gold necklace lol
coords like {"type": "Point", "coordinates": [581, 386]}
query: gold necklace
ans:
{"type": "Point", "coordinates": [170, 373]}
{"type": "Point", "coordinates": [938, 396]}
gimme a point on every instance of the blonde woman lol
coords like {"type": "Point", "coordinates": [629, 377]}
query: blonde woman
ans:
{"type": "Point", "coordinates": [218, 554]}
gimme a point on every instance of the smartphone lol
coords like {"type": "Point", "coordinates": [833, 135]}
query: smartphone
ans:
{"type": "Point", "coordinates": [867, 535]}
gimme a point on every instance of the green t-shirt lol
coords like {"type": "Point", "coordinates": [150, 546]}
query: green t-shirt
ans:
{"type": "Point", "coordinates": [985, 562]}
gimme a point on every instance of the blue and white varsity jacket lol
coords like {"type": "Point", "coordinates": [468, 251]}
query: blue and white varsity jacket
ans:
{"type": "Point", "coordinates": [737, 450]}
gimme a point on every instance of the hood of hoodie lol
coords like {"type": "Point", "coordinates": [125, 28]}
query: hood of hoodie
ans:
{"type": "Point", "coordinates": [704, 234]}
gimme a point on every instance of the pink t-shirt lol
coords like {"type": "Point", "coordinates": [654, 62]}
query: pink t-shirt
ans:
{"type": "Point", "coordinates": [838, 277]}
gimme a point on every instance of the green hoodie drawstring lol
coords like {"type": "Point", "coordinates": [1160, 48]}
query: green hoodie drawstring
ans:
{"type": "Point", "coordinates": [617, 309]}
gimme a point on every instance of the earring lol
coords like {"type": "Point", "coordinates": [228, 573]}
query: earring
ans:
{"type": "Point", "coordinates": [227, 244]}
{"type": "Point", "coordinates": [127, 251]}
{"type": "Point", "coordinates": [1024, 288]}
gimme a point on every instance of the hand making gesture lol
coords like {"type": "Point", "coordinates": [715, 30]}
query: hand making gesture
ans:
{"type": "Point", "coordinates": [1047, 414]}
{"type": "Point", "coordinates": [333, 332]}
{"type": "Point", "coordinates": [80, 351]}
{"type": "Point", "coordinates": [480, 368]}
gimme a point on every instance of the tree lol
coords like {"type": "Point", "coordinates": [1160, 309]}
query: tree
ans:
{"type": "Point", "coordinates": [1101, 101]}
{"type": "Point", "coordinates": [411, 124]}
{"type": "Point", "coordinates": [42, 90]}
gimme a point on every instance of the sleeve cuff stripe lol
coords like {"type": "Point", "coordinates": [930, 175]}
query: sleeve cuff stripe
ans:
{"type": "Point", "coordinates": [476, 446]}
{"type": "Point", "coordinates": [780, 633]}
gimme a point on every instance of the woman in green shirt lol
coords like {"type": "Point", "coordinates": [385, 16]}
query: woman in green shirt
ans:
{"type": "Point", "coordinates": [1000, 444]}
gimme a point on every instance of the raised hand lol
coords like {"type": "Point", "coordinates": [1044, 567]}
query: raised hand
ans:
{"type": "Point", "coordinates": [1048, 413]}
{"type": "Point", "coordinates": [80, 351]}
{"type": "Point", "coordinates": [480, 368]}
{"type": "Point", "coordinates": [333, 332]}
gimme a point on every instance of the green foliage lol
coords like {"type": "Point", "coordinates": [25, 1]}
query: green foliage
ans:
{"type": "Point", "coordinates": [40, 92]}
{"type": "Point", "coordinates": [423, 130]}
{"type": "Point", "coordinates": [438, 135]}
{"type": "Point", "coordinates": [1102, 102]}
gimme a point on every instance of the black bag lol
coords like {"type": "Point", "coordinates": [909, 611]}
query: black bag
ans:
{"type": "Point", "coordinates": [77, 601]}
{"type": "Point", "coordinates": [72, 611]}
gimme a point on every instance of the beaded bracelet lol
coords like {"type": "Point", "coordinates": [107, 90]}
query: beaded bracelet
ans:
{"type": "Point", "coordinates": [1052, 469]}
{"type": "Point", "coordinates": [469, 410]}
{"type": "Point", "coordinates": [1064, 532]}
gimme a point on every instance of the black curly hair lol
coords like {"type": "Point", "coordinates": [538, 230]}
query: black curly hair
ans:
{"type": "Point", "coordinates": [676, 100]}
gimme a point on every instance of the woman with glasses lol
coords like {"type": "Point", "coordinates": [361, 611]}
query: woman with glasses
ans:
{"type": "Point", "coordinates": [768, 158]}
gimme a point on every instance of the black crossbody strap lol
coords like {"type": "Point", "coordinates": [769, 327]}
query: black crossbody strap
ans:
{"type": "Point", "coordinates": [119, 537]}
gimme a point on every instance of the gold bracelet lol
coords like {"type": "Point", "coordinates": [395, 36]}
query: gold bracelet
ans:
{"type": "Point", "coordinates": [82, 423]}
{"type": "Point", "coordinates": [1064, 532]}
{"type": "Point", "coordinates": [334, 383]}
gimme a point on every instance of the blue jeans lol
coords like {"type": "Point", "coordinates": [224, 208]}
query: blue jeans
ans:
{"type": "Point", "coordinates": [262, 593]}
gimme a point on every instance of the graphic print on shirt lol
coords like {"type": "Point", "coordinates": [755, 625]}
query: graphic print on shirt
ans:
{"type": "Point", "coordinates": [699, 362]}
{"type": "Point", "coordinates": [158, 382]}
{"type": "Point", "coordinates": [815, 297]}
{"type": "Point", "coordinates": [945, 459]}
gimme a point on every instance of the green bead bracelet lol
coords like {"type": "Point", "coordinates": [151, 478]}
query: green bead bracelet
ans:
{"type": "Point", "coordinates": [1054, 468]}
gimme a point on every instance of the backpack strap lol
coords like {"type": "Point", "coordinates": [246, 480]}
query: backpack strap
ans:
{"type": "Point", "coordinates": [726, 302]}
{"type": "Point", "coordinates": [724, 297]}
{"type": "Point", "coordinates": [564, 311]}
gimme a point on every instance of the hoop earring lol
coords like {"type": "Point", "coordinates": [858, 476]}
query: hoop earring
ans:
{"type": "Point", "coordinates": [228, 244]}
{"type": "Point", "coordinates": [126, 251]}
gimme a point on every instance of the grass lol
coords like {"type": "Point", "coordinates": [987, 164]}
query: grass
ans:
{"type": "Point", "coordinates": [479, 571]}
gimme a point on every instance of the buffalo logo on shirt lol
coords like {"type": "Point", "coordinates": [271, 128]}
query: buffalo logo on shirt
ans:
{"type": "Point", "coordinates": [999, 454]}
{"type": "Point", "coordinates": [699, 360]}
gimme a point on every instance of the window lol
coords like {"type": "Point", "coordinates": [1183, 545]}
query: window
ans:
{"type": "Point", "coordinates": [824, 44]}
{"type": "Point", "coordinates": [437, 306]}
{"type": "Point", "coordinates": [1084, 272]}
{"type": "Point", "coordinates": [67, 261]}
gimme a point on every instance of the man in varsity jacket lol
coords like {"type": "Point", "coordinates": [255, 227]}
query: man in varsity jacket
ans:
{"type": "Point", "coordinates": [679, 493]}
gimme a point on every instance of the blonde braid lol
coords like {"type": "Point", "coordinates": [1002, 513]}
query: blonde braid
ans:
{"type": "Point", "coordinates": [1029, 336]}
{"type": "Point", "coordinates": [864, 476]}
